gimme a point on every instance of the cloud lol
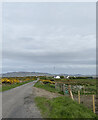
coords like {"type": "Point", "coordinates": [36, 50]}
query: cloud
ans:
{"type": "Point", "coordinates": [43, 35]}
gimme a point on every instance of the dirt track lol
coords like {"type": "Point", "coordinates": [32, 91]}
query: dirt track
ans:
{"type": "Point", "coordinates": [43, 93]}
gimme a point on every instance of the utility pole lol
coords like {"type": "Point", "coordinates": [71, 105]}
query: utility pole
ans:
{"type": "Point", "coordinates": [54, 70]}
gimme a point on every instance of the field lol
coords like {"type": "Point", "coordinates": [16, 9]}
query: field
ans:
{"type": "Point", "coordinates": [86, 98]}
{"type": "Point", "coordinates": [88, 88]}
{"type": "Point", "coordinates": [12, 82]}
{"type": "Point", "coordinates": [88, 85]}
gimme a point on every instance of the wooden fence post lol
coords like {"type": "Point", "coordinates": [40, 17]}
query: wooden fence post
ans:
{"type": "Point", "coordinates": [55, 85]}
{"type": "Point", "coordinates": [79, 97]}
{"type": "Point", "coordinates": [71, 95]}
{"type": "Point", "coordinates": [93, 103]}
{"type": "Point", "coordinates": [60, 85]}
{"type": "Point", "coordinates": [64, 88]}
{"type": "Point", "coordinates": [84, 88]}
{"type": "Point", "coordinates": [70, 92]}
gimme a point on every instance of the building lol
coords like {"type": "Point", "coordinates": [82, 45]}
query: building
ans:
{"type": "Point", "coordinates": [67, 77]}
{"type": "Point", "coordinates": [57, 77]}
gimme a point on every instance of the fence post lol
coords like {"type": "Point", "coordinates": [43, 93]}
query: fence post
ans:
{"type": "Point", "coordinates": [70, 92]}
{"type": "Point", "coordinates": [79, 97]}
{"type": "Point", "coordinates": [64, 88]}
{"type": "Point", "coordinates": [93, 103]}
{"type": "Point", "coordinates": [84, 88]}
{"type": "Point", "coordinates": [71, 95]}
{"type": "Point", "coordinates": [60, 85]}
{"type": "Point", "coordinates": [55, 85]}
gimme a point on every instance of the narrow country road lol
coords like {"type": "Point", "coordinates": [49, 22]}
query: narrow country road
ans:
{"type": "Point", "coordinates": [19, 103]}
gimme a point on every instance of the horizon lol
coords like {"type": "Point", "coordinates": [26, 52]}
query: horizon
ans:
{"type": "Point", "coordinates": [48, 73]}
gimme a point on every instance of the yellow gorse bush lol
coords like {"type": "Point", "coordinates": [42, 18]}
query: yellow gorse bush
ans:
{"type": "Point", "coordinates": [48, 81]}
{"type": "Point", "coordinates": [15, 80]}
{"type": "Point", "coordinates": [11, 81]}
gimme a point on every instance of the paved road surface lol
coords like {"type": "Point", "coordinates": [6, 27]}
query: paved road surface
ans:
{"type": "Point", "coordinates": [19, 103]}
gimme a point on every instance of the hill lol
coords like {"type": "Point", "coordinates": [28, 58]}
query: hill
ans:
{"type": "Point", "coordinates": [23, 74]}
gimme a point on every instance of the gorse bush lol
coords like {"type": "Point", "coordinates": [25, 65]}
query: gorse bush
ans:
{"type": "Point", "coordinates": [13, 80]}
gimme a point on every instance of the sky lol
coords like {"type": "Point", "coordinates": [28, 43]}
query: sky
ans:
{"type": "Point", "coordinates": [49, 37]}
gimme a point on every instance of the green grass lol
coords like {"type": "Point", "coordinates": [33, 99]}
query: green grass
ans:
{"type": "Point", "coordinates": [91, 90]}
{"type": "Point", "coordinates": [62, 107]}
{"type": "Point", "coordinates": [10, 86]}
{"type": "Point", "coordinates": [48, 87]}
{"type": "Point", "coordinates": [78, 81]}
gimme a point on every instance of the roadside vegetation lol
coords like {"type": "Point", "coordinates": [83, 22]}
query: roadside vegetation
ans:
{"type": "Point", "coordinates": [12, 82]}
{"type": "Point", "coordinates": [49, 87]}
{"type": "Point", "coordinates": [62, 107]}
{"type": "Point", "coordinates": [10, 86]}
{"type": "Point", "coordinates": [88, 83]}
{"type": "Point", "coordinates": [89, 88]}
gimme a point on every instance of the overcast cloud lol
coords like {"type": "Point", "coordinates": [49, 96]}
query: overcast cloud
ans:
{"type": "Point", "coordinates": [39, 36]}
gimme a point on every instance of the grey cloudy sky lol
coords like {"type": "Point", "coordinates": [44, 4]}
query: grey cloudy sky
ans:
{"type": "Point", "coordinates": [39, 36]}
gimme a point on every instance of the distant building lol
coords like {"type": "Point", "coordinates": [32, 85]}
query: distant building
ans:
{"type": "Point", "coordinates": [57, 77]}
{"type": "Point", "coordinates": [67, 77]}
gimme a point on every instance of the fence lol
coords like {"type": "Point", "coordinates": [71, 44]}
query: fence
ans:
{"type": "Point", "coordinates": [79, 93]}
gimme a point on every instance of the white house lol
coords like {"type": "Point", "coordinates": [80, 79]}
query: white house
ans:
{"type": "Point", "coordinates": [57, 77]}
{"type": "Point", "coordinates": [67, 77]}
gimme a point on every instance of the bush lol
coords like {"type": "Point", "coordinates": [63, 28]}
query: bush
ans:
{"type": "Point", "coordinates": [61, 77]}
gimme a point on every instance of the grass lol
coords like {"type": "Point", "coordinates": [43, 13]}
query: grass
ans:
{"type": "Point", "coordinates": [90, 85]}
{"type": "Point", "coordinates": [78, 81]}
{"type": "Point", "coordinates": [62, 107]}
{"type": "Point", "coordinates": [89, 90]}
{"type": "Point", "coordinates": [48, 87]}
{"type": "Point", "coordinates": [10, 86]}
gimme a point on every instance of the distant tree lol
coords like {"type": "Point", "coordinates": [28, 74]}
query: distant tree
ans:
{"type": "Point", "coordinates": [61, 77]}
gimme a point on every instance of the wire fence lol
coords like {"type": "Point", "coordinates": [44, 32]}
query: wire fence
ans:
{"type": "Point", "coordinates": [81, 93]}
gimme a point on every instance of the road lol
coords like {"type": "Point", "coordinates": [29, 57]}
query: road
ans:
{"type": "Point", "coordinates": [19, 103]}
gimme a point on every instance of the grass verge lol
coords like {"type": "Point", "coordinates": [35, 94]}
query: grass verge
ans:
{"type": "Point", "coordinates": [10, 86]}
{"type": "Point", "coordinates": [62, 107]}
{"type": "Point", "coordinates": [48, 87]}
